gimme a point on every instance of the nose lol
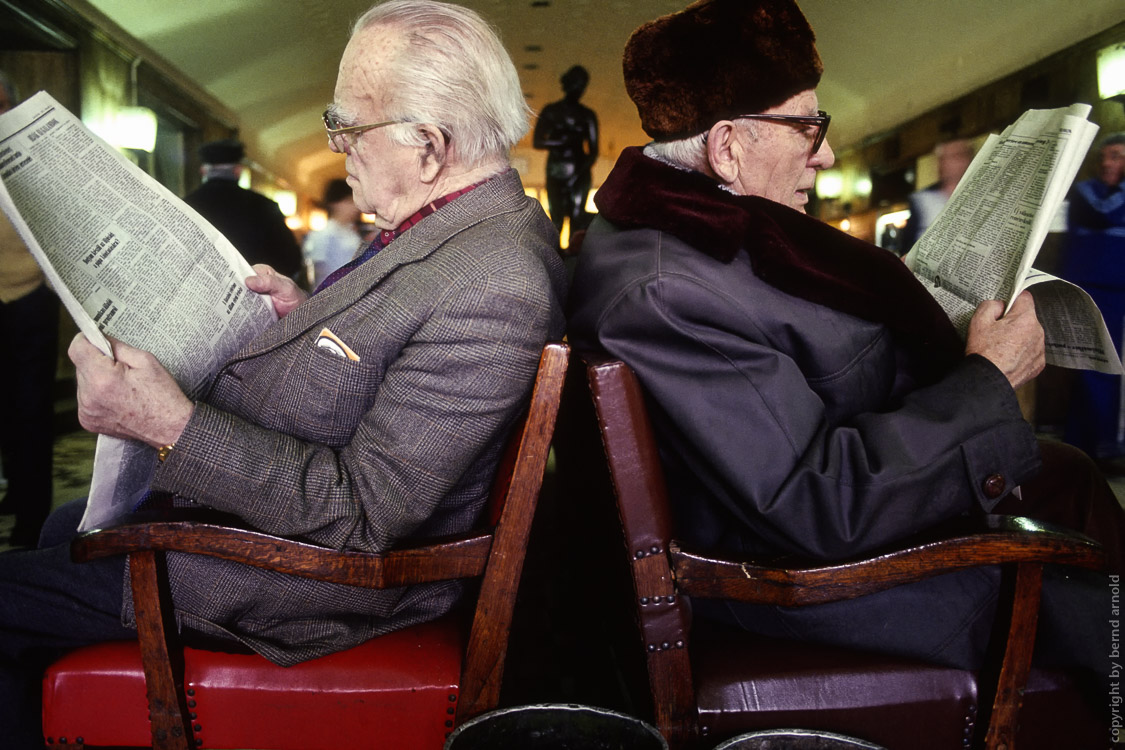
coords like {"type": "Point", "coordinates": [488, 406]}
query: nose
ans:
{"type": "Point", "coordinates": [333, 145]}
{"type": "Point", "coordinates": [824, 157]}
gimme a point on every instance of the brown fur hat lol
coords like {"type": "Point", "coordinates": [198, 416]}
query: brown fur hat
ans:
{"type": "Point", "coordinates": [716, 59]}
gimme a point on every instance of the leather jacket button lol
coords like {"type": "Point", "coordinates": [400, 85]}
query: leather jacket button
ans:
{"type": "Point", "coordinates": [994, 486]}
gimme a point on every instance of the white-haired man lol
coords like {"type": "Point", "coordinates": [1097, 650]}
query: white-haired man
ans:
{"type": "Point", "coordinates": [809, 397]}
{"type": "Point", "coordinates": [374, 410]}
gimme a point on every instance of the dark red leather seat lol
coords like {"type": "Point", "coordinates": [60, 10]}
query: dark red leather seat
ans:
{"type": "Point", "coordinates": [96, 694]}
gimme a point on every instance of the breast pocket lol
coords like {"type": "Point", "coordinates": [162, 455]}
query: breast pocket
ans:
{"type": "Point", "coordinates": [334, 394]}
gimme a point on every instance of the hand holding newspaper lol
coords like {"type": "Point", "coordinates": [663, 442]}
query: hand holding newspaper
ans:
{"type": "Point", "coordinates": [128, 259]}
{"type": "Point", "coordinates": [983, 243]}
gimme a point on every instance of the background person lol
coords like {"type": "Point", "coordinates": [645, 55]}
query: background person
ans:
{"type": "Point", "coordinates": [252, 222]}
{"type": "Point", "coordinates": [29, 353]}
{"type": "Point", "coordinates": [1094, 259]}
{"type": "Point", "coordinates": [331, 247]}
{"type": "Point", "coordinates": [953, 159]}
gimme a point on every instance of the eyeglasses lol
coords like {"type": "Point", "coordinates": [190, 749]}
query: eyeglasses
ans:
{"type": "Point", "coordinates": [345, 138]}
{"type": "Point", "coordinates": [820, 122]}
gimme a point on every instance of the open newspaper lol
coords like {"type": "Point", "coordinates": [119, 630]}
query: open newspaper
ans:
{"type": "Point", "coordinates": [983, 243]}
{"type": "Point", "coordinates": [128, 259]}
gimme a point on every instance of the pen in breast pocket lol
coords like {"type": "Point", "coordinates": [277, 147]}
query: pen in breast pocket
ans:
{"type": "Point", "coordinates": [331, 342]}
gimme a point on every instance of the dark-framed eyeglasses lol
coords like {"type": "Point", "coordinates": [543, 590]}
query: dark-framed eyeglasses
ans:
{"type": "Point", "coordinates": [344, 136]}
{"type": "Point", "coordinates": [820, 122]}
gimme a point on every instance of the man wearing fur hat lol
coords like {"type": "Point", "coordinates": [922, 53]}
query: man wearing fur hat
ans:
{"type": "Point", "coordinates": [808, 395]}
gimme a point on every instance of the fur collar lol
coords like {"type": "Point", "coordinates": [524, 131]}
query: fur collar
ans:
{"type": "Point", "coordinates": [795, 253]}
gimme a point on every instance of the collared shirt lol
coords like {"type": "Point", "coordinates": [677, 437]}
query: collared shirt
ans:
{"type": "Point", "coordinates": [387, 236]}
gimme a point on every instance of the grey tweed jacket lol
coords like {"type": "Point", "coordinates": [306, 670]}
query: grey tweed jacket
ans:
{"type": "Point", "coordinates": [447, 323]}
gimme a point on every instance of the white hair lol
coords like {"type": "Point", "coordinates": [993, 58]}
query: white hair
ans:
{"type": "Point", "coordinates": [691, 153]}
{"type": "Point", "coordinates": [686, 153]}
{"type": "Point", "coordinates": [454, 74]}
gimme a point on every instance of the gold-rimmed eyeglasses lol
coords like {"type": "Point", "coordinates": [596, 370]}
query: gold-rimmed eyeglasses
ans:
{"type": "Point", "coordinates": [819, 121]}
{"type": "Point", "coordinates": [344, 137]}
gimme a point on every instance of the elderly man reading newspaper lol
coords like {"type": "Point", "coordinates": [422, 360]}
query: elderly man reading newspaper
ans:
{"type": "Point", "coordinates": [372, 411]}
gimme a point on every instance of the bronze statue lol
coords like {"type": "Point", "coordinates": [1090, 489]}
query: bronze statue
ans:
{"type": "Point", "coordinates": [569, 131]}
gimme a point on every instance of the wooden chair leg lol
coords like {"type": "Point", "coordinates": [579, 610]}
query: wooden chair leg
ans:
{"type": "Point", "coordinates": [171, 725]}
{"type": "Point", "coordinates": [1004, 718]}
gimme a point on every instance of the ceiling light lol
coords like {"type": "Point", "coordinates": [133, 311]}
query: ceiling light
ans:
{"type": "Point", "coordinates": [287, 201]}
{"type": "Point", "coordinates": [1111, 71]}
{"type": "Point", "coordinates": [134, 127]}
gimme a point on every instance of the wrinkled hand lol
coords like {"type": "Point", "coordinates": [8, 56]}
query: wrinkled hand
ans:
{"type": "Point", "coordinates": [1014, 343]}
{"type": "Point", "coordinates": [133, 397]}
{"type": "Point", "coordinates": [283, 291]}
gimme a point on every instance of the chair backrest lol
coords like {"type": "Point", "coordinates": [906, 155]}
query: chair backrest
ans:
{"type": "Point", "coordinates": [646, 519]}
{"type": "Point", "coordinates": [488, 640]}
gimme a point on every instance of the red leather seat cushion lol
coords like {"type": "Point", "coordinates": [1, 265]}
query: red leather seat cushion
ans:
{"type": "Point", "coordinates": [890, 701]}
{"type": "Point", "coordinates": [399, 690]}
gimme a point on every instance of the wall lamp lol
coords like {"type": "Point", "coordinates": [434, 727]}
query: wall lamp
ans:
{"type": "Point", "coordinates": [1111, 72]}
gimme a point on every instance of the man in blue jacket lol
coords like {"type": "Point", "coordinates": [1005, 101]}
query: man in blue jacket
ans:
{"type": "Point", "coordinates": [1095, 260]}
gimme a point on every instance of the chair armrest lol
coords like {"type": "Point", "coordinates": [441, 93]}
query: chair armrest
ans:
{"type": "Point", "coordinates": [998, 540]}
{"type": "Point", "coordinates": [194, 532]}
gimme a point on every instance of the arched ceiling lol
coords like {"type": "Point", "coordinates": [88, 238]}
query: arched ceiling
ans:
{"type": "Point", "coordinates": [273, 62]}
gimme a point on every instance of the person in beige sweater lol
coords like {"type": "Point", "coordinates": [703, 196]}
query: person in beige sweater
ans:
{"type": "Point", "coordinates": [29, 330]}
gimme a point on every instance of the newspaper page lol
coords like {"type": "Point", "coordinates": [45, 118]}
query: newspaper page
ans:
{"type": "Point", "coordinates": [984, 242]}
{"type": "Point", "coordinates": [128, 259]}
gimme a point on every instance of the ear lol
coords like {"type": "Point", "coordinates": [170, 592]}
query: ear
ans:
{"type": "Point", "coordinates": [724, 152]}
{"type": "Point", "coordinates": [435, 151]}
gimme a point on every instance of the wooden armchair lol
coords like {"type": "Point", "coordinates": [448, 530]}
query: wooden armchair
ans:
{"type": "Point", "coordinates": [406, 690]}
{"type": "Point", "coordinates": [707, 682]}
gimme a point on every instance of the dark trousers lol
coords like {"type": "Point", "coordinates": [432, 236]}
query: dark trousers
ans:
{"type": "Point", "coordinates": [49, 605]}
{"type": "Point", "coordinates": [29, 333]}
